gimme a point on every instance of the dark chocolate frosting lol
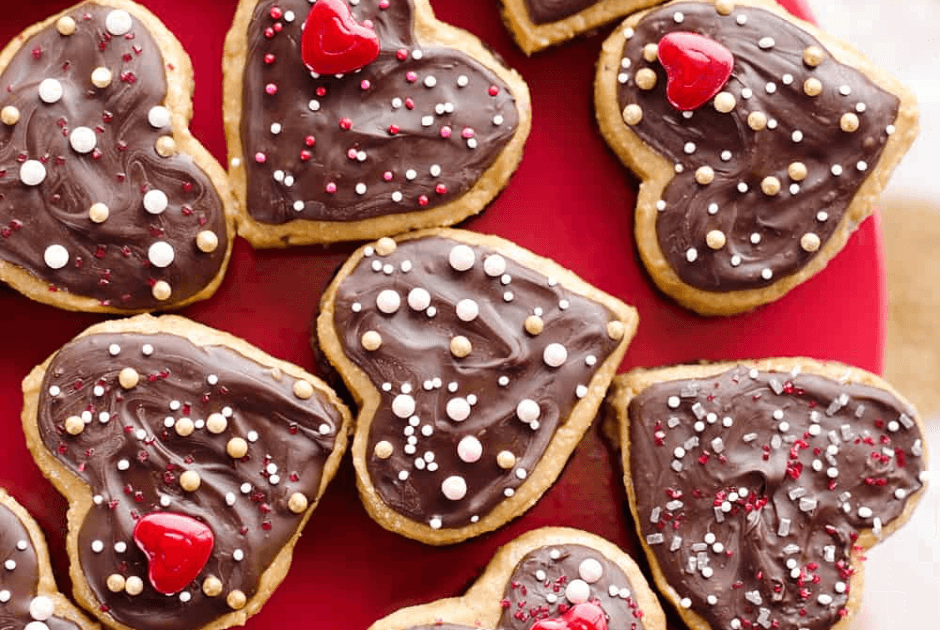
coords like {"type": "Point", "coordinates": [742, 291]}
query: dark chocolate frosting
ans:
{"type": "Point", "coordinates": [545, 11]}
{"type": "Point", "coordinates": [426, 121]}
{"type": "Point", "coordinates": [46, 228]}
{"type": "Point", "coordinates": [135, 449]}
{"type": "Point", "coordinates": [751, 488]}
{"type": "Point", "coordinates": [20, 577]}
{"type": "Point", "coordinates": [761, 233]}
{"type": "Point", "coordinates": [433, 403]}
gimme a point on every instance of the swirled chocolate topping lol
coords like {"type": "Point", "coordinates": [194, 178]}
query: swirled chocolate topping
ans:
{"type": "Point", "coordinates": [751, 488]}
{"type": "Point", "coordinates": [88, 202]}
{"type": "Point", "coordinates": [412, 130]}
{"type": "Point", "coordinates": [760, 189]}
{"type": "Point", "coordinates": [545, 11]}
{"type": "Point", "coordinates": [19, 580]}
{"type": "Point", "coordinates": [470, 400]}
{"type": "Point", "coordinates": [157, 425]}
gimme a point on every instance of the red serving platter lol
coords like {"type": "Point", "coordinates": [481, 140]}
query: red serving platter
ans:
{"type": "Point", "coordinates": [571, 200]}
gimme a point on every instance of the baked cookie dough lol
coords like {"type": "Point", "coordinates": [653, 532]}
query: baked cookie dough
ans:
{"type": "Point", "coordinates": [191, 461]}
{"type": "Point", "coordinates": [477, 367]}
{"type": "Point", "coordinates": [553, 578]}
{"type": "Point", "coordinates": [107, 203]}
{"type": "Point", "coordinates": [425, 134]}
{"type": "Point", "coordinates": [756, 487]}
{"type": "Point", "coordinates": [29, 597]}
{"type": "Point", "coordinates": [761, 141]}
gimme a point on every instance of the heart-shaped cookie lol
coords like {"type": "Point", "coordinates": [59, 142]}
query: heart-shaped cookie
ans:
{"type": "Point", "coordinates": [107, 203]}
{"type": "Point", "coordinates": [477, 365]}
{"type": "Point", "coordinates": [29, 597]}
{"type": "Point", "coordinates": [191, 461]}
{"type": "Point", "coordinates": [756, 487]}
{"type": "Point", "coordinates": [553, 578]}
{"type": "Point", "coordinates": [424, 135]}
{"type": "Point", "coordinates": [754, 191]}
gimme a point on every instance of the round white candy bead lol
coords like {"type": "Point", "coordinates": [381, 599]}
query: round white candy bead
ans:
{"type": "Point", "coordinates": [467, 310]}
{"type": "Point", "coordinates": [41, 608]}
{"type": "Point", "coordinates": [158, 117]}
{"type": "Point", "coordinates": [462, 258]}
{"type": "Point", "coordinates": [590, 570]}
{"type": "Point", "coordinates": [118, 22]}
{"type": "Point", "coordinates": [83, 140]}
{"type": "Point", "coordinates": [161, 254]}
{"type": "Point", "coordinates": [403, 406]}
{"type": "Point", "coordinates": [56, 257]}
{"type": "Point", "coordinates": [454, 488]}
{"type": "Point", "coordinates": [419, 299]}
{"type": "Point", "coordinates": [32, 173]}
{"type": "Point", "coordinates": [469, 449]}
{"type": "Point", "coordinates": [555, 355]}
{"type": "Point", "coordinates": [458, 409]}
{"type": "Point", "coordinates": [50, 91]}
{"type": "Point", "coordinates": [577, 591]}
{"type": "Point", "coordinates": [155, 201]}
{"type": "Point", "coordinates": [388, 301]}
{"type": "Point", "coordinates": [528, 410]}
{"type": "Point", "coordinates": [494, 265]}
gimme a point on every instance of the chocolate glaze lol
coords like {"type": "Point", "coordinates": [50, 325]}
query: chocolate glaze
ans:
{"type": "Point", "coordinates": [288, 435]}
{"type": "Point", "coordinates": [107, 261]}
{"type": "Point", "coordinates": [779, 221]}
{"type": "Point", "coordinates": [21, 582]}
{"type": "Point", "coordinates": [416, 350]}
{"type": "Point", "coordinates": [415, 146]}
{"type": "Point", "coordinates": [545, 11]}
{"type": "Point", "coordinates": [788, 501]}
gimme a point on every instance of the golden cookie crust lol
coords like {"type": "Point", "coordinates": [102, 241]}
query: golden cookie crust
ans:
{"type": "Point", "coordinates": [79, 494]}
{"type": "Point", "coordinates": [179, 100]}
{"type": "Point", "coordinates": [656, 172]}
{"type": "Point", "coordinates": [428, 31]}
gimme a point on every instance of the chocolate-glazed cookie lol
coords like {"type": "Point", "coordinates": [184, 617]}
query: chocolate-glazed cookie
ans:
{"type": "Point", "coordinates": [762, 142]}
{"type": "Point", "coordinates": [548, 579]}
{"type": "Point", "coordinates": [756, 487]}
{"type": "Point", "coordinates": [424, 134]}
{"type": "Point", "coordinates": [478, 367]}
{"type": "Point", "coordinates": [107, 203]}
{"type": "Point", "coordinates": [28, 594]}
{"type": "Point", "coordinates": [191, 461]}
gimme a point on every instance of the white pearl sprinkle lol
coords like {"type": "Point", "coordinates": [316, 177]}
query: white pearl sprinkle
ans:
{"type": "Point", "coordinates": [462, 258]}
{"type": "Point", "coordinates": [41, 608]}
{"type": "Point", "coordinates": [403, 406]}
{"type": "Point", "coordinates": [32, 173]}
{"type": "Point", "coordinates": [590, 570]}
{"type": "Point", "coordinates": [528, 410]}
{"type": "Point", "coordinates": [118, 22]}
{"type": "Point", "coordinates": [577, 591]}
{"type": "Point", "coordinates": [161, 254]}
{"type": "Point", "coordinates": [50, 91]}
{"type": "Point", "coordinates": [419, 299]}
{"type": "Point", "coordinates": [555, 355]}
{"type": "Point", "coordinates": [454, 488]}
{"type": "Point", "coordinates": [155, 201]}
{"type": "Point", "coordinates": [314, 105]}
{"type": "Point", "coordinates": [458, 409]}
{"type": "Point", "coordinates": [83, 140]}
{"type": "Point", "coordinates": [158, 117]}
{"type": "Point", "coordinates": [469, 449]}
{"type": "Point", "coordinates": [388, 301]}
{"type": "Point", "coordinates": [56, 257]}
{"type": "Point", "coordinates": [467, 310]}
{"type": "Point", "coordinates": [494, 265]}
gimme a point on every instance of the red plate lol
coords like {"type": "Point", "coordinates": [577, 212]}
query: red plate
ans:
{"type": "Point", "coordinates": [570, 200]}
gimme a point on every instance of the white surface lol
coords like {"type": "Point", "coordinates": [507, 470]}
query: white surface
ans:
{"type": "Point", "coordinates": [902, 36]}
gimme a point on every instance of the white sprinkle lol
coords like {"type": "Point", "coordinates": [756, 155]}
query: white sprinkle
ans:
{"type": "Point", "coordinates": [766, 274]}
{"type": "Point", "coordinates": [155, 201]}
{"type": "Point", "coordinates": [864, 512]}
{"type": "Point", "coordinates": [845, 90]}
{"type": "Point", "coordinates": [161, 254]}
{"type": "Point", "coordinates": [118, 22]}
{"type": "Point", "coordinates": [463, 81]}
{"type": "Point", "coordinates": [238, 555]}
{"type": "Point", "coordinates": [454, 488]}
{"type": "Point", "coordinates": [458, 409]}
{"type": "Point", "coordinates": [429, 81]}
{"type": "Point", "coordinates": [766, 43]}
{"type": "Point", "coordinates": [497, 119]}
{"type": "Point", "coordinates": [836, 170]}
{"type": "Point", "coordinates": [555, 355]}
{"type": "Point", "coordinates": [742, 187]}
{"type": "Point", "coordinates": [56, 257]}
{"type": "Point", "coordinates": [673, 402]}
{"type": "Point", "coordinates": [32, 172]}
{"type": "Point", "coordinates": [822, 216]}
{"type": "Point", "coordinates": [467, 310]}
{"type": "Point", "coordinates": [726, 156]}
{"type": "Point", "coordinates": [689, 148]}
{"type": "Point", "coordinates": [577, 591]}
{"type": "Point", "coordinates": [741, 20]}
{"type": "Point", "coordinates": [797, 136]}
{"type": "Point", "coordinates": [435, 523]}
{"type": "Point", "coordinates": [462, 258]}
{"type": "Point", "coordinates": [770, 88]}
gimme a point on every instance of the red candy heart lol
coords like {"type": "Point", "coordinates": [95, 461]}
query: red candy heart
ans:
{"type": "Point", "coordinates": [697, 68]}
{"type": "Point", "coordinates": [177, 547]}
{"type": "Point", "coordinates": [587, 616]}
{"type": "Point", "coordinates": [334, 42]}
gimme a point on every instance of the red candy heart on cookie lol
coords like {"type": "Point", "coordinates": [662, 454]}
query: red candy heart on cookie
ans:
{"type": "Point", "coordinates": [697, 68]}
{"type": "Point", "coordinates": [334, 42]}
{"type": "Point", "coordinates": [177, 547]}
{"type": "Point", "coordinates": [586, 616]}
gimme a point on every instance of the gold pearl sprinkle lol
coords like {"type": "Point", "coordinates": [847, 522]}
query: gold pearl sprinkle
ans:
{"type": "Point", "coordinates": [190, 481]}
{"type": "Point", "coordinates": [212, 586]}
{"type": "Point", "coordinates": [651, 52]}
{"type": "Point", "coordinates": [616, 330]}
{"type": "Point", "coordinates": [236, 448]}
{"type": "Point", "coordinates": [385, 246]}
{"type": "Point", "coordinates": [116, 582]}
{"type": "Point", "coordinates": [715, 239]}
{"type": "Point", "coordinates": [128, 378]}
{"type": "Point", "coordinates": [303, 389]}
{"type": "Point", "coordinates": [705, 175]}
{"type": "Point", "coordinates": [371, 340]}
{"type": "Point", "coordinates": [101, 77]}
{"type": "Point", "coordinates": [207, 241]}
{"type": "Point", "coordinates": [534, 325]}
{"type": "Point", "coordinates": [297, 503]}
{"type": "Point", "coordinates": [756, 120]}
{"type": "Point", "coordinates": [184, 427]}
{"type": "Point", "coordinates": [849, 122]}
{"type": "Point", "coordinates": [165, 146]}
{"type": "Point", "coordinates": [66, 26]}
{"type": "Point", "coordinates": [812, 87]}
{"type": "Point", "coordinates": [645, 79]}
{"type": "Point", "coordinates": [724, 7]}
{"type": "Point", "coordinates": [162, 291]}
{"type": "Point", "coordinates": [9, 115]}
{"type": "Point", "coordinates": [134, 585]}
{"type": "Point", "coordinates": [74, 425]}
{"type": "Point", "coordinates": [797, 171]}
{"type": "Point", "coordinates": [505, 460]}
{"type": "Point", "coordinates": [383, 449]}
{"type": "Point", "coordinates": [810, 242]}
{"type": "Point", "coordinates": [813, 56]}
{"type": "Point", "coordinates": [99, 213]}
{"type": "Point", "coordinates": [236, 600]}
{"type": "Point", "coordinates": [460, 346]}
{"type": "Point", "coordinates": [770, 185]}
{"type": "Point", "coordinates": [725, 102]}
{"type": "Point", "coordinates": [632, 114]}
{"type": "Point", "coordinates": [216, 423]}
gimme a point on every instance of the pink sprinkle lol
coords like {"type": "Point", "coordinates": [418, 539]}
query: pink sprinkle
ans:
{"type": "Point", "coordinates": [269, 59]}
{"type": "Point", "coordinates": [365, 85]}
{"type": "Point", "coordinates": [387, 176]}
{"type": "Point", "coordinates": [409, 103]}
{"type": "Point", "coordinates": [305, 156]}
{"type": "Point", "coordinates": [393, 129]}
{"type": "Point", "coordinates": [467, 132]}
{"type": "Point", "coordinates": [310, 141]}
{"type": "Point", "coordinates": [276, 13]}
{"type": "Point", "coordinates": [383, 4]}
{"type": "Point", "coordinates": [423, 200]}
{"type": "Point", "coordinates": [440, 189]}
{"type": "Point", "coordinates": [494, 90]}
{"type": "Point", "coordinates": [445, 132]}
{"type": "Point", "coordinates": [401, 54]}
{"type": "Point", "coordinates": [411, 77]}
{"type": "Point", "coordinates": [271, 89]}
{"type": "Point", "coordinates": [260, 157]}
{"type": "Point", "coordinates": [331, 188]}
{"type": "Point", "coordinates": [351, 154]}
{"type": "Point", "coordinates": [278, 27]}
{"type": "Point", "coordinates": [368, 23]}
{"type": "Point", "coordinates": [345, 124]}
